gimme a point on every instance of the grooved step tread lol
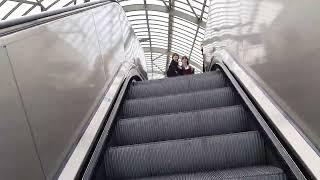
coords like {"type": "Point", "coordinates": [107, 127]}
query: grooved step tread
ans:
{"type": "Point", "coordinates": [179, 103]}
{"type": "Point", "coordinates": [185, 155]}
{"type": "Point", "coordinates": [183, 85]}
{"type": "Point", "coordinates": [246, 173]}
{"type": "Point", "coordinates": [213, 121]}
{"type": "Point", "coordinates": [177, 78]}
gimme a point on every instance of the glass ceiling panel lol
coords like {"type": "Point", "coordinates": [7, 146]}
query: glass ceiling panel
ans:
{"type": "Point", "coordinates": [196, 4]}
{"type": "Point", "coordinates": [163, 31]}
{"type": "Point", "coordinates": [159, 18]}
{"type": "Point", "coordinates": [140, 26]}
{"type": "Point", "coordinates": [125, 3]}
{"type": "Point", "coordinates": [158, 13]}
{"type": "Point", "coordinates": [6, 8]}
{"type": "Point", "coordinates": [132, 13]}
{"type": "Point", "coordinates": [20, 11]}
{"type": "Point", "coordinates": [46, 3]}
{"type": "Point", "coordinates": [156, 26]}
{"type": "Point", "coordinates": [59, 4]}
{"type": "Point", "coordinates": [182, 37]}
{"type": "Point", "coordinates": [183, 5]}
{"type": "Point", "coordinates": [184, 10]}
{"type": "Point", "coordinates": [35, 10]}
{"type": "Point", "coordinates": [156, 2]}
{"type": "Point", "coordinates": [159, 38]}
{"type": "Point", "coordinates": [159, 42]}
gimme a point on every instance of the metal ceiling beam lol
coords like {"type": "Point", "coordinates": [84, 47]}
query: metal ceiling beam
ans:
{"type": "Point", "coordinates": [198, 27]}
{"type": "Point", "coordinates": [38, 3]}
{"type": "Point", "coordinates": [153, 7]}
{"type": "Point", "coordinates": [163, 72]}
{"type": "Point", "coordinates": [12, 10]}
{"type": "Point", "coordinates": [52, 4]}
{"type": "Point", "coordinates": [157, 57]}
{"type": "Point", "coordinates": [147, 18]}
{"type": "Point", "coordinates": [156, 50]}
{"type": "Point", "coordinates": [70, 2]}
{"type": "Point", "coordinates": [41, 6]}
{"type": "Point", "coordinates": [2, 2]}
{"type": "Point", "coordinates": [25, 2]}
{"type": "Point", "coordinates": [192, 9]}
{"type": "Point", "coordinates": [165, 4]}
{"type": "Point", "coordinates": [170, 24]}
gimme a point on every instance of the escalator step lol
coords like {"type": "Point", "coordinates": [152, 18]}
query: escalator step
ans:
{"type": "Point", "coordinates": [182, 85]}
{"type": "Point", "coordinates": [185, 155]}
{"type": "Point", "coordinates": [247, 173]}
{"type": "Point", "coordinates": [207, 122]}
{"type": "Point", "coordinates": [201, 75]}
{"type": "Point", "coordinates": [179, 103]}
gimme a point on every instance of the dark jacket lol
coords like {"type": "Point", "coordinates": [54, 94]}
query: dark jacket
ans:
{"type": "Point", "coordinates": [173, 69]}
{"type": "Point", "coordinates": [190, 70]}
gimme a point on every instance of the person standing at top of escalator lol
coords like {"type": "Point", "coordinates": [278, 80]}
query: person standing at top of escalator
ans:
{"type": "Point", "coordinates": [185, 67]}
{"type": "Point", "coordinates": [173, 69]}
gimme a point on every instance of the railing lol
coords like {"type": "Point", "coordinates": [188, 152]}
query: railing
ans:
{"type": "Point", "coordinates": [12, 25]}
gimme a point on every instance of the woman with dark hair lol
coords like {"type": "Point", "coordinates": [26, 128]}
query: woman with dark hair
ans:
{"type": "Point", "coordinates": [173, 69]}
{"type": "Point", "coordinates": [185, 67]}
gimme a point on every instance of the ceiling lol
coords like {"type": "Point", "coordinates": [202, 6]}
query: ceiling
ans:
{"type": "Point", "coordinates": [168, 26]}
{"type": "Point", "coordinates": [162, 26]}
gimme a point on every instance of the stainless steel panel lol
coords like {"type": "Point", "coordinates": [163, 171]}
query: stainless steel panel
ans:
{"type": "Point", "coordinates": [18, 155]}
{"type": "Point", "coordinates": [278, 41]}
{"type": "Point", "coordinates": [110, 25]}
{"type": "Point", "coordinates": [78, 156]}
{"type": "Point", "coordinates": [109, 33]}
{"type": "Point", "coordinates": [133, 51]}
{"type": "Point", "coordinates": [60, 74]}
{"type": "Point", "coordinates": [277, 117]}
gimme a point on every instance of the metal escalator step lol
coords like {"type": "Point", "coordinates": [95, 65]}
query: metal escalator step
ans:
{"type": "Point", "coordinates": [182, 85]}
{"type": "Point", "coordinates": [185, 156]}
{"type": "Point", "coordinates": [206, 122]}
{"type": "Point", "coordinates": [246, 173]}
{"type": "Point", "coordinates": [201, 75]}
{"type": "Point", "coordinates": [179, 103]}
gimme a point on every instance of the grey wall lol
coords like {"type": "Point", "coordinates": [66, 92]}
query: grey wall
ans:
{"type": "Point", "coordinates": [17, 153]}
{"type": "Point", "coordinates": [61, 70]}
{"type": "Point", "coordinates": [277, 41]}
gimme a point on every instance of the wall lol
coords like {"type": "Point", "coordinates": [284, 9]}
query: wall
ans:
{"type": "Point", "coordinates": [277, 42]}
{"type": "Point", "coordinates": [52, 79]}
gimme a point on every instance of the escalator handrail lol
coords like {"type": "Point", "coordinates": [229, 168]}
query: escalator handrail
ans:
{"type": "Point", "coordinates": [268, 131]}
{"type": "Point", "coordinates": [97, 154]}
{"type": "Point", "coordinates": [47, 16]}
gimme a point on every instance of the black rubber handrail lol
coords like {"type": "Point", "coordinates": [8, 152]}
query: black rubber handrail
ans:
{"type": "Point", "coordinates": [294, 166]}
{"type": "Point", "coordinates": [97, 153]}
{"type": "Point", "coordinates": [47, 14]}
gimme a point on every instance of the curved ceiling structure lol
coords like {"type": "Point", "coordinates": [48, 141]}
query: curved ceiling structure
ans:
{"type": "Point", "coordinates": [168, 26]}
{"type": "Point", "coordinates": [162, 26]}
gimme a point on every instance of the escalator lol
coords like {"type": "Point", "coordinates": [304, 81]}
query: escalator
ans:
{"type": "Point", "coordinates": [189, 127]}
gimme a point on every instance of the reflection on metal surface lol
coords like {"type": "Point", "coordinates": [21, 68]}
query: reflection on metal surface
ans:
{"type": "Point", "coordinates": [277, 41]}
{"type": "Point", "coordinates": [62, 69]}
{"type": "Point", "coordinates": [309, 157]}
{"type": "Point", "coordinates": [60, 77]}
{"type": "Point", "coordinates": [78, 156]}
